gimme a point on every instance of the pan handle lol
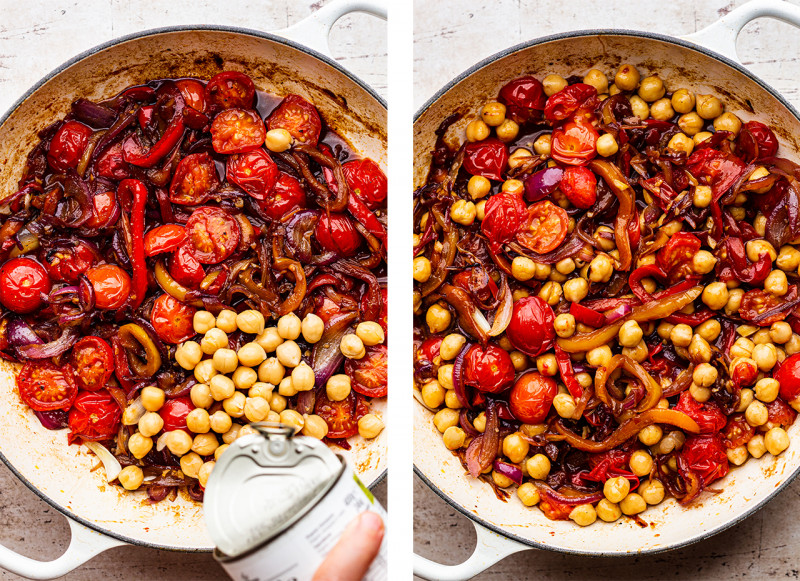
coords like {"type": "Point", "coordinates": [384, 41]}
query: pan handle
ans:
{"type": "Point", "coordinates": [721, 36]}
{"type": "Point", "coordinates": [313, 31]}
{"type": "Point", "coordinates": [84, 545]}
{"type": "Point", "coordinates": [489, 549]}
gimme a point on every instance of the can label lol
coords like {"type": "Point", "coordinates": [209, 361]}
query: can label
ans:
{"type": "Point", "coordinates": [297, 553]}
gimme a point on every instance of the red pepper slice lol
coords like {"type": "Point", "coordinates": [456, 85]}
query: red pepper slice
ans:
{"type": "Point", "coordinates": [692, 320]}
{"type": "Point", "coordinates": [138, 190]}
{"type": "Point", "coordinates": [132, 150]}
{"type": "Point", "coordinates": [635, 281]}
{"type": "Point", "coordinates": [364, 215]}
{"type": "Point", "coordinates": [587, 316]}
{"type": "Point", "coordinates": [322, 280]}
{"type": "Point", "coordinates": [121, 368]}
{"type": "Point", "coordinates": [567, 373]}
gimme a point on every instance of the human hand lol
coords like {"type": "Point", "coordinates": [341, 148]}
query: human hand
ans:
{"type": "Point", "coordinates": [352, 555]}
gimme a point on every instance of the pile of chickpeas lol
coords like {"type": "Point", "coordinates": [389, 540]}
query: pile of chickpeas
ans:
{"type": "Point", "coordinates": [252, 384]}
{"type": "Point", "coordinates": [757, 349]}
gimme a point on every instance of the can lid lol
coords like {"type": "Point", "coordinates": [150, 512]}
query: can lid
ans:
{"type": "Point", "coordinates": [263, 484]}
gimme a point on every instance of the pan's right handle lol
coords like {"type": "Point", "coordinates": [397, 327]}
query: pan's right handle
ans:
{"type": "Point", "coordinates": [489, 549]}
{"type": "Point", "coordinates": [721, 36]}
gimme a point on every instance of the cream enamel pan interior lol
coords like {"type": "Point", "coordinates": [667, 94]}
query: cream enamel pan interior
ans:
{"type": "Point", "coordinates": [679, 64]}
{"type": "Point", "coordinates": [42, 459]}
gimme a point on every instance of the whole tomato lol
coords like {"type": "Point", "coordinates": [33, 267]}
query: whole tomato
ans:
{"type": "Point", "coordinates": [174, 412]}
{"type": "Point", "coordinates": [707, 415]}
{"type": "Point", "coordinates": [366, 182]}
{"type": "Point", "coordinates": [487, 158]}
{"type": "Point", "coordinates": [531, 397]}
{"type": "Point", "coordinates": [287, 195]}
{"type": "Point", "coordinates": [68, 145]}
{"type": "Point", "coordinates": [504, 214]}
{"type": "Point", "coordinates": [524, 99]}
{"type": "Point", "coordinates": [788, 375]}
{"type": "Point", "coordinates": [580, 186]}
{"type": "Point", "coordinates": [756, 141]}
{"type": "Point", "coordinates": [564, 104]}
{"type": "Point", "coordinates": [705, 456]}
{"type": "Point", "coordinates": [337, 233]}
{"type": "Point", "coordinates": [780, 414]}
{"type": "Point", "coordinates": [531, 328]}
{"type": "Point", "coordinates": [489, 369]}
{"type": "Point", "coordinates": [23, 281]}
{"type": "Point", "coordinates": [574, 143]}
{"type": "Point", "coordinates": [254, 172]}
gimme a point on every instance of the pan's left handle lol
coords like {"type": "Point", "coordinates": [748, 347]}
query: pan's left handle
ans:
{"type": "Point", "coordinates": [489, 549]}
{"type": "Point", "coordinates": [313, 31]}
{"type": "Point", "coordinates": [84, 545]}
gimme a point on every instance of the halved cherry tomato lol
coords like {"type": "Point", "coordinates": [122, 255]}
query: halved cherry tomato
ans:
{"type": "Point", "coordinates": [237, 131]}
{"type": "Point", "coordinates": [545, 228]}
{"type": "Point", "coordinates": [254, 172]}
{"type": "Point", "coordinates": [172, 319]}
{"type": "Point", "coordinates": [427, 353]}
{"type": "Point", "coordinates": [504, 215]}
{"type": "Point", "coordinates": [337, 234]}
{"type": "Point", "coordinates": [45, 386]}
{"type": "Point", "coordinates": [366, 181]}
{"type": "Point", "coordinates": [705, 456]}
{"type": "Point", "coordinates": [369, 374]}
{"type": "Point", "coordinates": [756, 302]}
{"type": "Point", "coordinates": [93, 361]}
{"type": "Point", "coordinates": [568, 101]}
{"type": "Point", "coordinates": [574, 143]}
{"type": "Point", "coordinates": [185, 268]}
{"type": "Point", "coordinates": [165, 238]}
{"type": "Point", "coordinates": [111, 164]}
{"type": "Point", "coordinates": [94, 416]}
{"type": "Point", "coordinates": [68, 145]}
{"type": "Point", "coordinates": [676, 257]}
{"type": "Point", "coordinates": [779, 413]}
{"type": "Point", "coordinates": [214, 233]}
{"type": "Point", "coordinates": [174, 412]}
{"type": "Point", "coordinates": [487, 158]}
{"type": "Point", "coordinates": [489, 369]}
{"type": "Point", "coordinates": [23, 281]}
{"type": "Point", "coordinates": [194, 181]}
{"type": "Point", "coordinates": [579, 184]}
{"type": "Point", "coordinates": [194, 93]}
{"type": "Point", "coordinates": [737, 431]}
{"type": "Point", "coordinates": [718, 169]}
{"type": "Point", "coordinates": [298, 117]}
{"type": "Point", "coordinates": [341, 416]}
{"type": "Point", "coordinates": [531, 328]}
{"type": "Point", "coordinates": [756, 141]}
{"type": "Point", "coordinates": [524, 99]}
{"type": "Point", "coordinates": [68, 264]}
{"type": "Point", "coordinates": [112, 285]}
{"type": "Point", "coordinates": [230, 89]}
{"type": "Point", "coordinates": [707, 415]}
{"type": "Point", "coordinates": [104, 204]}
{"type": "Point", "coordinates": [788, 375]}
{"type": "Point", "coordinates": [531, 397]}
{"type": "Point", "coordinates": [287, 195]}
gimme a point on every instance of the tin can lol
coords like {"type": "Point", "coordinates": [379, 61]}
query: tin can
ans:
{"type": "Point", "coordinates": [276, 503]}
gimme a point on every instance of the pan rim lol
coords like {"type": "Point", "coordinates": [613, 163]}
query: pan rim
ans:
{"type": "Point", "coordinates": [565, 36]}
{"type": "Point", "coordinates": [86, 54]}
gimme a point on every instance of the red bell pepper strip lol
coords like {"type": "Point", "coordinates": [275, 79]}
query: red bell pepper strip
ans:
{"type": "Point", "coordinates": [692, 320]}
{"type": "Point", "coordinates": [121, 368]}
{"type": "Point", "coordinates": [137, 189]}
{"type": "Point", "coordinates": [140, 93]}
{"type": "Point", "coordinates": [132, 150]}
{"type": "Point", "coordinates": [364, 215]}
{"type": "Point", "coordinates": [739, 268]}
{"type": "Point", "coordinates": [635, 281]}
{"type": "Point", "coordinates": [587, 316]}
{"type": "Point", "coordinates": [567, 373]}
{"type": "Point", "coordinates": [322, 280]}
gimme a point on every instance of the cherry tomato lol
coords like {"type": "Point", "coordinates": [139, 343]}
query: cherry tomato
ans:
{"type": "Point", "coordinates": [174, 412]}
{"type": "Point", "coordinates": [779, 413]}
{"type": "Point", "coordinates": [298, 117]}
{"type": "Point", "coordinates": [104, 204]}
{"type": "Point", "coordinates": [718, 169]}
{"type": "Point", "coordinates": [44, 386]}
{"type": "Point", "coordinates": [287, 195]}
{"type": "Point", "coordinates": [194, 181]}
{"type": "Point", "coordinates": [327, 309]}
{"type": "Point", "coordinates": [524, 99]}
{"type": "Point", "coordinates": [214, 233]}
{"type": "Point", "coordinates": [337, 234]}
{"type": "Point", "coordinates": [531, 328]}
{"type": "Point", "coordinates": [68, 145]}
{"type": "Point", "coordinates": [237, 131]}
{"type": "Point", "coordinates": [788, 375]}
{"type": "Point", "coordinates": [366, 182]}
{"type": "Point", "coordinates": [68, 264]}
{"type": "Point", "coordinates": [94, 416]}
{"type": "Point", "coordinates": [487, 158]}
{"type": "Point", "coordinates": [164, 238]}
{"type": "Point", "coordinates": [112, 285]}
{"type": "Point", "coordinates": [254, 172]}
{"type": "Point", "coordinates": [93, 361]}
{"type": "Point", "coordinates": [427, 353]}
{"type": "Point", "coordinates": [568, 101]}
{"type": "Point", "coordinates": [185, 268]}
{"type": "Point", "coordinates": [580, 186]}
{"type": "Point", "coordinates": [705, 456]}
{"type": "Point", "coordinates": [230, 89]}
{"type": "Point", "coordinates": [676, 257]}
{"type": "Point", "coordinates": [369, 374]}
{"type": "Point", "coordinates": [489, 368]}
{"type": "Point", "coordinates": [756, 302]}
{"type": "Point", "coordinates": [531, 397]}
{"type": "Point", "coordinates": [707, 415]}
{"type": "Point", "coordinates": [545, 228]}
{"type": "Point", "coordinates": [172, 319]}
{"type": "Point", "coordinates": [756, 141]}
{"type": "Point", "coordinates": [111, 164]}
{"type": "Point", "coordinates": [737, 432]}
{"type": "Point", "coordinates": [194, 93]}
{"type": "Point", "coordinates": [23, 281]}
{"type": "Point", "coordinates": [504, 215]}
{"type": "Point", "coordinates": [341, 416]}
{"type": "Point", "coordinates": [574, 143]}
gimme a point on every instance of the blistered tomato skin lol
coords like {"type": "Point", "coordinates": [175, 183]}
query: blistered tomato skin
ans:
{"type": "Point", "coordinates": [504, 214]}
{"type": "Point", "coordinates": [489, 369]}
{"type": "Point", "coordinates": [531, 328]}
{"type": "Point", "coordinates": [788, 375]}
{"type": "Point", "coordinates": [531, 397]}
{"type": "Point", "coordinates": [174, 412]}
{"type": "Point", "coordinates": [112, 285]}
{"type": "Point", "coordinates": [68, 145]}
{"type": "Point", "coordinates": [286, 195]}
{"type": "Point", "coordinates": [487, 158]}
{"type": "Point", "coordinates": [337, 234]}
{"type": "Point", "coordinates": [524, 97]}
{"type": "Point", "coordinates": [23, 282]}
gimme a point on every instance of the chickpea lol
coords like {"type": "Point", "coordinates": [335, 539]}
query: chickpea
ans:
{"type": "Point", "coordinates": [480, 213]}
{"type": "Point", "coordinates": [776, 440]}
{"type": "Point", "coordinates": [523, 268]}
{"type": "Point", "coordinates": [700, 394]}
{"type": "Point", "coordinates": [641, 463]}
{"type": "Point", "coordinates": [203, 322]}
{"type": "Point", "coordinates": [188, 354]}
{"type": "Point", "coordinates": [213, 339]}
{"type": "Point", "coordinates": [699, 349]}
{"type": "Point", "coordinates": [338, 387]}
{"type": "Point", "coordinates": [661, 110]}
{"type": "Point", "coordinates": [269, 339]}
{"type": "Point", "coordinates": [681, 335]}
{"type": "Point", "coordinates": [278, 140]}
{"type": "Point", "coordinates": [451, 399]}
{"type": "Point", "coordinates": [737, 456]}
{"type": "Point", "coordinates": [234, 405]}
{"type": "Point", "coordinates": [477, 130]}
{"type": "Point", "coordinates": [139, 445]}
{"type": "Point", "coordinates": [792, 346]}
{"type": "Point", "coordinates": [152, 398]}
{"type": "Point", "coordinates": [518, 157]}
{"type": "Point", "coordinates": [702, 199]}
{"type": "Point", "coordinates": [608, 511]}
{"type": "Point", "coordinates": [226, 321]}
{"type": "Point", "coordinates": [225, 360]}
{"type": "Point", "coordinates": [220, 422]}
{"type": "Point", "coordinates": [422, 269]}
{"type": "Point", "coordinates": [200, 395]}
{"type": "Point", "coordinates": [352, 346]}
{"type": "Point", "coordinates": [715, 295]}
{"type": "Point", "coordinates": [576, 289]}
{"type": "Point", "coordinates": [703, 262]}
{"type": "Point", "coordinates": [734, 301]}
{"type": "Point", "coordinates": [650, 435]}
{"type": "Point", "coordinates": [479, 423]}
{"type": "Point", "coordinates": [292, 418]}
{"type": "Point", "coordinates": [691, 123]}
{"type": "Point", "coordinates": [478, 187]}
{"type": "Point", "coordinates": [683, 101]}
{"type": "Point", "coordinates": [507, 131]}
{"type": "Point", "coordinates": [221, 387]}
{"type": "Point", "coordinates": [204, 473]}
{"type": "Point", "coordinates": [640, 107]}
{"type": "Point", "coordinates": [607, 145]}
{"type": "Point", "coordinates": [598, 80]}
{"type": "Point", "coordinates": [651, 88]}
{"type": "Point", "coordinates": [198, 421]}
{"type": "Point", "coordinates": [755, 248]}
{"type": "Point", "coordinates": [788, 258]}
{"type": "Point", "coordinates": [551, 293]}
{"type": "Point", "coordinates": [178, 442]}
{"type": "Point", "coordinates": [451, 346]}
{"type": "Point", "coordinates": [131, 477]}
{"type": "Point", "coordinates": [780, 332]}
{"type": "Point", "coordinates": [765, 356]}
{"type": "Point", "coordinates": [728, 122]}
{"type": "Point", "coordinates": [776, 283]}
{"type": "Point", "coordinates": [616, 489]}
{"type": "Point", "coordinates": [709, 330]}
{"type": "Point", "coordinates": [601, 268]}
{"type": "Point", "coordinates": [756, 414]}
{"type": "Point", "coordinates": [271, 371]}
{"type": "Point", "coordinates": [370, 425]}
{"type": "Point", "coordinates": [564, 325]}
{"type": "Point", "coordinates": [552, 84]}
{"type": "Point", "coordinates": [701, 137]}
{"type": "Point", "coordinates": [756, 446]}
{"type": "Point", "coordinates": [256, 409]}
{"type": "Point", "coordinates": [664, 330]}
{"type": "Point", "coordinates": [564, 405]}
{"type": "Point", "coordinates": [501, 480]}
{"type": "Point", "coordinates": [638, 352]}
{"type": "Point", "coordinates": [704, 375]}
{"type": "Point", "coordinates": [515, 448]}
{"type": "Point", "coordinates": [681, 142]}
{"type": "Point", "coordinates": [627, 77]}
{"type": "Point", "coordinates": [150, 424]}
{"type": "Point", "coordinates": [288, 354]}
{"type": "Point", "coordinates": [314, 426]}
{"type": "Point", "coordinates": [493, 113]}
{"type": "Point", "coordinates": [289, 326]}
{"type": "Point", "coordinates": [205, 444]}
{"type": "Point", "coordinates": [538, 466]}
{"type": "Point", "coordinates": [630, 334]}
{"type": "Point", "coordinates": [232, 434]}
{"type": "Point", "coordinates": [605, 238]}
{"type": "Point", "coordinates": [433, 394]}
{"type": "Point", "coordinates": [454, 438]}
{"type": "Point", "coordinates": [244, 377]}
{"type": "Point", "coordinates": [445, 376]}
{"type": "Point", "coordinates": [583, 515]}
{"type": "Point", "coordinates": [542, 144]}
{"type": "Point", "coordinates": [599, 356]}
{"type": "Point", "coordinates": [708, 106]}
{"type": "Point", "coordinates": [528, 494]}
{"type": "Point", "coordinates": [190, 464]}
{"type": "Point", "coordinates": [652, 491]}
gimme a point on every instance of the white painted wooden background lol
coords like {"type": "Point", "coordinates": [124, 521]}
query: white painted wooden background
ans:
{"type": "Point", "coordinates": [452, 35]}
{"type": "Point", "coordinates": [36, 36]}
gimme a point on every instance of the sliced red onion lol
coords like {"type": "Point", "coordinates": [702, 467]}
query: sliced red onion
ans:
{"type": "Point", "coordinates": [44, 351]}
{"type": "Point", "coordinates": [618, 313]}
{"type": "Point", "coordinates": [552, 494]}
{"type": "Point", "coordinates": [481, 455]}
{"type": "Point", "coordinates": [53, 420]}
{"type": "Point", "coordinates": [86, 294]}
{"type": "Point", "coordinates": [542, 183]}
{"type": "Point", "coordinates": [20, 334]}
{"type": "Point", "coordinates": [505, 309]}
{"type": "Point", "coordinates": [466, 425]}
{"type": "Point", "coordinates": [458, 377]}
{"type": "Point", "coordinates": [509, 470]}
{"type": "Point", "coordinates": [306, 400]}
{"type": "Point", "coordinates": [299, 231]}
{"type": "Point", "coordinates": [93, 114]}
{"type": "Point", "coordinates": [327, 354]}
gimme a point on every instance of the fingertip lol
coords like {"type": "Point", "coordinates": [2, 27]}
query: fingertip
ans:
{"type": "Point", "coordinates": [371, 523]}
